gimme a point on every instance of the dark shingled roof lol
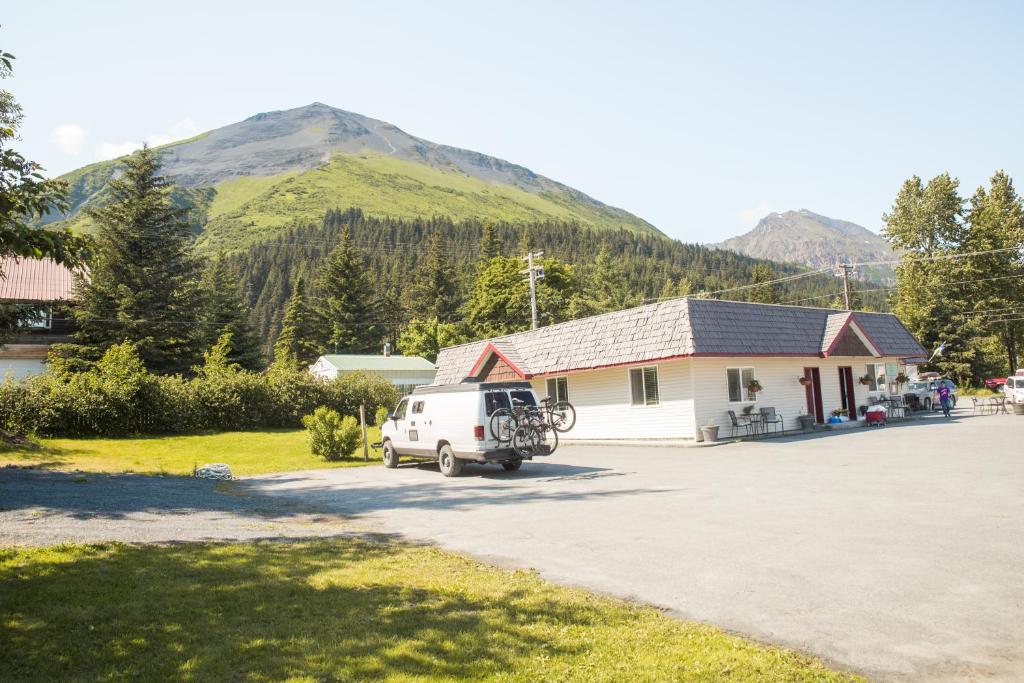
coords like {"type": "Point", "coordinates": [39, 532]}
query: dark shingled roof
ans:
{"type": "Point", "coordinates": [678, 327]}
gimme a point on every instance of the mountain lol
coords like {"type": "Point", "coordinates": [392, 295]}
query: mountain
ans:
{"type": "Point", "coordinates": [815, 240]}
{"type": "Point", "coordinates": [279, 169]}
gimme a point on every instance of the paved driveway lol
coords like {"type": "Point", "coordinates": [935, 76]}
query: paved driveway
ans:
{"type": "Point", "coordinates": [897, 552]}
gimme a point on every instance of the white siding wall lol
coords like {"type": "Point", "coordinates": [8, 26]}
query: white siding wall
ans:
{"type": "Point", "coordinates": [781, 387]}
{"type": "Point", "coordinates": [603, 410]}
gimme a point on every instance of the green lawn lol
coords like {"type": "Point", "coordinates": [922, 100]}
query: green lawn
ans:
{"type": "Point", "coordinates": [246, 452]}
{"type": "Point", "coordinates": [346, 610]}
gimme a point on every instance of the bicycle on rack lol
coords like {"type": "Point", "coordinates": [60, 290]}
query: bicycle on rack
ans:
{"type": "Point", "coordinates": [532, 430]}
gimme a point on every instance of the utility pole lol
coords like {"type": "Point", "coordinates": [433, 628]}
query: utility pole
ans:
{"type": "Point", "coordinates": [846, 268]}
{"type": "Point", "coordinates": [534, 273]}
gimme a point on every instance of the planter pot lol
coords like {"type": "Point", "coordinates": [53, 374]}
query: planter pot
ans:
{"type": "Point", "coordinates": [710, 434]}
{"type": "Point", "coordinates": [1018, 408]}
{"type": "Point", "coordinates": [806, 422]}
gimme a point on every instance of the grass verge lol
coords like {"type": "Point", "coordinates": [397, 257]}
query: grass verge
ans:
{"type": "Point", "coordinates": [341, 610]}
{"type": "Point", "coordinates": [247, 453]}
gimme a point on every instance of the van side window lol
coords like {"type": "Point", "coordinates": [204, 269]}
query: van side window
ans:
{"type": "Point", "coordinates": [495, 400]}
{"type": "Point", "coordinates": [417, 407]}
{"type": "Point", "coordinates": [526, 397]}
{"type": "Point", "coordinates": [400, 410]}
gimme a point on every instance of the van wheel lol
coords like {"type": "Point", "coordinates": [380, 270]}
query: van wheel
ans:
{"type": "Point", "coordinates": [512, 465]}
{"type": "Point", "coordinates": [390, 456]}
{"type": "Point", "coordinates": [450, 465]}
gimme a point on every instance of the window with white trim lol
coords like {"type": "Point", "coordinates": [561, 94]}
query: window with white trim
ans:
{"type": "Point", "coordinates": [739, 379]}
{"type": "Point", "coordinates": [643, 386]}
{"type": "Point", "coordinates": [558, 388]}
{"type": "Point", "coordinates": [876, 372]}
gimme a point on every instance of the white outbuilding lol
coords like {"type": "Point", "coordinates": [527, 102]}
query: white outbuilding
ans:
{"type": "Point", "coordinates": [405, 372]}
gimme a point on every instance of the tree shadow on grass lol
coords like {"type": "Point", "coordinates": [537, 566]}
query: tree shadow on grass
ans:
{"type": "Point", "coordinates": [348, 610]}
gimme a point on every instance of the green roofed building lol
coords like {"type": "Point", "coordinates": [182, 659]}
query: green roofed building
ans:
{"type": "Point", "coordinates": [405, 372]}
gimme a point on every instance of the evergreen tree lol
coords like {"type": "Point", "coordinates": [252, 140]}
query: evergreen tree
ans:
{"type": "Point", "coordinates": [490, 246]}
{"type": "Point", "coordinates": [142, 285]}
{"type": "Point", "coordinates": [605, 283]}
{"type": "Point", "coordinates": [766, 293]}
{"type": "Point", "coordinates": [433, 291]}
{"type": "Point", "coordinates": [223, 311]}
{"type": "Point", "coordinates": [346, 311]}
{"type": "Point", "coordinates": [301, 340]}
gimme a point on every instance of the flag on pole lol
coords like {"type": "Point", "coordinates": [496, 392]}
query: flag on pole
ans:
{"type": "Point", "coordinates": [938, 351]}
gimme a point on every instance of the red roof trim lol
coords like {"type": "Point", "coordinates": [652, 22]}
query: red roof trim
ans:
{"type": "Point", "coordinates": [491, 348]}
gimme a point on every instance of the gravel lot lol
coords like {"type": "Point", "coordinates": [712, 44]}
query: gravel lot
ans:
{"type": "Point", "coordinates": [41, 508]}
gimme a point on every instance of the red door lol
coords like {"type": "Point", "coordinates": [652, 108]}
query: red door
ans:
{"type": "Point", "coordinates": [813, 389]}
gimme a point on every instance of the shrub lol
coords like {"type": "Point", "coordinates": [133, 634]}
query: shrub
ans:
{"type": "Point", "coordinates": [381, 415]}
{"type": "Point", "coordinates": [331, 437]}
{"type": "Point", "coordinates": [347, 392]}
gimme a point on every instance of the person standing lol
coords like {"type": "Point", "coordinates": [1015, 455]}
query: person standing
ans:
{"type": "Point", "coordinates": [944, 398]}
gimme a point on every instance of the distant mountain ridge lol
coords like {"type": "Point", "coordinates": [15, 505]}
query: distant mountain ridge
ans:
{"type": "Point", "coordinates": [816, 241]}
{"type": "Point", "coordinates": [252, 178]}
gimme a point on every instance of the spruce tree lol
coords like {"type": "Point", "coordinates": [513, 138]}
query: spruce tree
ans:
{"type": "Point", "coordinates": [490, 246]}
{"type": "Point", "coordinates": [346, 310]}
{"type": "Point", "coordinates": [142, 279]}
{"type": "Point", "coordinates": [223, 311]}
{"type": "Point", "coordinates": [433, 291]}
{"type": "Point", "coordinates": [300, 342]}
{"type": "Point", "coordinates": [762, 274]}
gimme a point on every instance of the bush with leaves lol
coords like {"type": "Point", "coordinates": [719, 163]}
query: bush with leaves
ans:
{"type": "Point", "coordinates": [381, 415]}
{"type": "Point", "coordinates": [346, 393]}
{"type": "Point", "coordinates": [331, 436]}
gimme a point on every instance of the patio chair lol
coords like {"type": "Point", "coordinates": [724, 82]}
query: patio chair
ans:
{"type": "Point", "coordinates": [770, 417]}
{"type": "Point", "coordinates": [977, 406]}
{"type": "Point", "coordinates": [739, 423]}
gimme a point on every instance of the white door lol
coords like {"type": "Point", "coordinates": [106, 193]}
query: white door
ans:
{"type": "Point", "coordinates": [419, 430]}
{"type": "Point", "coordinates": [400, 436]}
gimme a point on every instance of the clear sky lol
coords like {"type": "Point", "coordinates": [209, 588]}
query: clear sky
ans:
{"type": "Point", "coordinates": [699, 117]}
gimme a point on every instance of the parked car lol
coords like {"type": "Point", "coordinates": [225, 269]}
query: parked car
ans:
{"type": "Point", "coordinates": [1014, 389]}
{"type": "Point", "coordinates": [449, 424]}
{"type": "Point", "coordinates": [995, 383]}
{"type": "Point", "coordinates": [927, 392]}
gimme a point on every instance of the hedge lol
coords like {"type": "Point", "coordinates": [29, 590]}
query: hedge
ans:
{"type": "Point", "coordinates": [119, 398]}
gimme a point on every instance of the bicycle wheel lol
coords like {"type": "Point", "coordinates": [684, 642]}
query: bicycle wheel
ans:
{"type": "Point", "coordinates": [562, 416]}
{"type": "Point", "coordinates": [548, 441]}
{"type": "Point", "coordinates": [524, 441]}
{"type": "Point", "coordinates": [502, 425]}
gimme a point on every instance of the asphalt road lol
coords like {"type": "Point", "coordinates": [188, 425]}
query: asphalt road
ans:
{"type": "Point", "coordinates": [896, 552]}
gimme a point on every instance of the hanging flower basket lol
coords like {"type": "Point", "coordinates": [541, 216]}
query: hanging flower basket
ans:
{"type": "Point", "coordinates": [902, 379]}
{"type": "Point", "coordinates": [753, 386]}
{"type": "Point", "coordinates": [865, 380]}
{"type": "Point", "coordinates": [804, 381]}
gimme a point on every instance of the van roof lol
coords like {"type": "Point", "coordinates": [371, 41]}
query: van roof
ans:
{"type": "Point", "coordinates": [468, 386]}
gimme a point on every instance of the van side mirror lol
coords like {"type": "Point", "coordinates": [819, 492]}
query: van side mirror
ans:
{"type": "Point", "coordinates": [391, 416]}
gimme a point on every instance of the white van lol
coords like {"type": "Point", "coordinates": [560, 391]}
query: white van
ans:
{"type": "Point", "coordinates": [449, 424]}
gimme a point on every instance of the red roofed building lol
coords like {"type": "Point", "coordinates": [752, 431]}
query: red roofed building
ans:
{"type": "Point", "coordinates": [45, 284]}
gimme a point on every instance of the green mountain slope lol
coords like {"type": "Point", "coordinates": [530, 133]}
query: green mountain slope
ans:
{"type": "Point", "coordinates": [249, 180]}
